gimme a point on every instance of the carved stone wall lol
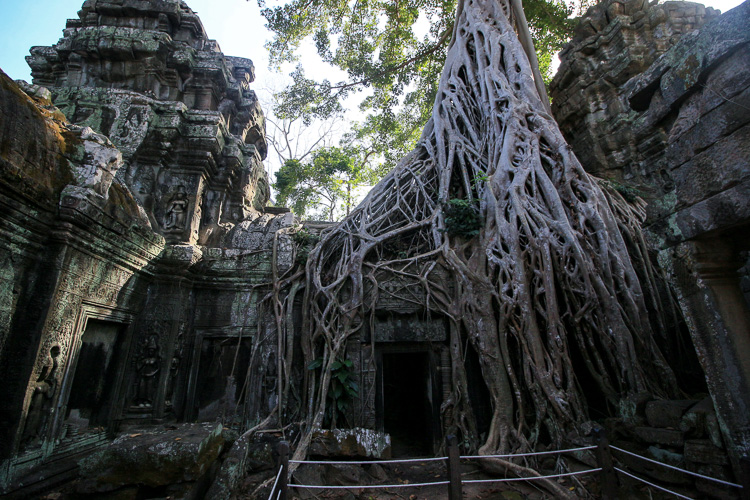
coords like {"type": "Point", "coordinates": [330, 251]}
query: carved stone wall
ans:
{"type": "Point", "coordinates": [615, 41]}
{"type": "Point", "coordinates": [181, 112]}
{"type": "Point", "coordinates": [666, 117]}
{"type": "Point", "coordinates": [74, 246]}
{"type": "Point", "coordinates": [133, 225]}
{"type": "Point", "coordinates": [698, 96]}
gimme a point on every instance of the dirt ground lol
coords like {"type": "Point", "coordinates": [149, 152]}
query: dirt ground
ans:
{"type": "Point", "coordinates": [404, 474]}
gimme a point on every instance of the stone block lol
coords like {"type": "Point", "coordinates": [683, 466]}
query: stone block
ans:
{"type": "Point", "coordinates": [666, 437]}
{"type": "Point", "coordinates": [632, 408]}
{"type": "Point", "coordinates": [666, 456]}
{"type": "Point", "coordinates": [648, 470]}
{"type": "Point", "coordinates": [667, 413]}
{"type": "Point", "coordinates": [357, 442]}
{"type": "Point", "coordinates": [311, 474]}
{"type": "Point", "coordinates": [703, 451]}
{"type": "Point", "coordinates": [232, 471]}
{"type": "Point", "coordinates": [720, 472]}
{"type": "Point", "coordinates": [700, 421]}
{"type": "Point", "coordinates": [153, 458]}
{"type": "Point", "coordinates": [715, 490]}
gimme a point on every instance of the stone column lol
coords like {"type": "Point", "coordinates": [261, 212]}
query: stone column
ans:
{"type": "Point", "coordinates": [708, 287]}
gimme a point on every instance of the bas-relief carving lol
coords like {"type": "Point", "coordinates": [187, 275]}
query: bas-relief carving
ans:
{"type": "Point", "coordinates": [167, 173]}
{"type": "Point", "coordinates": [42, 397]}
{"type": "Point", "coordinates": [176, 210]}
{"type": "Point", "coordinates": [174, 368]}
{"type": "Point", "coordinates": [148, 368]}
{"type": "Point", "coordinates": [270, 382]}
{"type": "Point", "coordinates": [133, 101]}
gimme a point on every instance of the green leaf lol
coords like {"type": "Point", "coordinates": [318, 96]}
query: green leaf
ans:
{"type": "Point", "coordinates": [317, 363]}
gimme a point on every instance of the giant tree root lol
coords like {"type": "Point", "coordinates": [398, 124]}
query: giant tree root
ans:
{"type": "Point", "coordinates": [546, 292]}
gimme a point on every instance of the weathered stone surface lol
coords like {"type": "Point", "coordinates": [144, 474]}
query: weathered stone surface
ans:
{"type": "Point", "coordinates": [703, 451]}
{"type": "Point", "coordinates": [308, 474]}
{"type": "Point", "coordinates": [677, 135]}
{"type": "Point", "coordinates": [614, 42]}
{"type": "Point", "coordinates": [650, 470]}
{"type": "Point", "coordinates": [700, 421]}
{"type": "Point", "coordinates": [234, 466]}
{"type": "Point", "coordinates": [190, 129]}
{"type": "Point", "coordinates": [156, 138]}
{"type": "Point", "coordinates": [357, 442]}
{"type": "Point", "coordinates": [665, 437]}
{"type": "Point", "coordinates": [666, 413]}
{"type": "Point", "coordinates": [153, 458]}
{"type": "Point", "coordinates": [666, 456]}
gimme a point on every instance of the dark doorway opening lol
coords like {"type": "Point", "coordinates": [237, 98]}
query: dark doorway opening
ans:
{"type": "Point", "coordinates": [221, 375]}
{"type": "Point", "coordinates": [95, 377]}
{"type": "Point", "coordinates": [407, 403]}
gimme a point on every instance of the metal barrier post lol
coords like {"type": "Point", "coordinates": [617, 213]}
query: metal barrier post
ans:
{"type": "Point", "coordinates": [454, 468]}
{"type": "Point", "coordinates": [284, 464]}
{"type": "Point", "coordinates": [745, 478]}
{"type": "Point", "coordinates": [607, 476]}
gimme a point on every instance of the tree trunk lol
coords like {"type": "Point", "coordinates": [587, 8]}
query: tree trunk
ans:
{"type": "Point", "coordinates": [547, 280]}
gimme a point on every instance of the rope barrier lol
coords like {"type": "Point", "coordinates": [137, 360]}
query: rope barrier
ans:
{"type": "Point", "coordinates": [531, 454]}
{"type": "Point", "coordinates": [720, 481]}
{"type": "Point", "coordinates": [652, 484]}
{"type": "Point", "coordinates": [367, 486]}
{"type": "Point", "coordinates": [365, 462]}
{"type": "Point", "coordinates": [273, 488]}
{"type": "Point", "coordinates": [509, 479]}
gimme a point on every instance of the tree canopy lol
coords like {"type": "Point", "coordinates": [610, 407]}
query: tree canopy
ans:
{"type": "Point", "coordinates": [395, 49]}
{"type": "Point", "coordinates": [325, 186]}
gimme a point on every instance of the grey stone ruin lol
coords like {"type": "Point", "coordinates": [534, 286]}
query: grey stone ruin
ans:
{"type": "Point", "coordinates": [136, 248]}
{"type": "Point", "coordinates": [135, 238]}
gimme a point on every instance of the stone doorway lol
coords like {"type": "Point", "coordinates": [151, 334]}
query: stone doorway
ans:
{"type": "Point", "coordinates": [90, 400]}
{"type": "Point", "coordinates": [407, 401]}
{"type": "Point", "coordinates": [219, 369]}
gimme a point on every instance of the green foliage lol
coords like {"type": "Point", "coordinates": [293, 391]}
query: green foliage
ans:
{"type": "Point", "coordinates": [323, 187]}
{"type": "Point", "coordinates": [630, 194]}
{"type": "Point", "coordinates": [394, 49]}
{"type": "Point", "coordinates": [343, 390]}
{"type": "Point", "coordinates": [462, 218]}
{"type": "Point", "coordinates": [305, 241]}
{"type": "Point", "coordinates": [479, 178]}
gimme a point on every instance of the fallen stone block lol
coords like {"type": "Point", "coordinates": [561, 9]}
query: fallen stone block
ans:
{"type": "Point", "coordinates": [700, 421]}
{"type": "Point", "coordinates": [667, 413]}
{"type": "Point", "coordinates": [703, 451]}
{"type": "Point", "coordinates": [665, 437]}
{"type": "Point", "coordinates": [154, 457]}
{"type": "Point", "coordinates": [357, 442]}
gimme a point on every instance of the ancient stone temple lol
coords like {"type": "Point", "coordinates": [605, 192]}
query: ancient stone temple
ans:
{"type": "Point", "coordinates": [665, 117]}
{"type": "Point", "coordinates": [145, 298]}
{"type": "Point", "coordinates": [135, 244]}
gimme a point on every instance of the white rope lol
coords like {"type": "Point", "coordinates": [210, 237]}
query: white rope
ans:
{"type": "Point", "coordinates": [278, 475]}
{"type": "Point", "coordinates": [652, 484]}
{"type": "Point", "coordinates": [529, 478]}
{"type": "Point", "coordinates": [365, 462]}
{"type": "Point", "coordinates": [368, 486]}
{"type": "Point", "coordinates": [536, 453]}
{"type": "Point", "coordinates": [726, 483]}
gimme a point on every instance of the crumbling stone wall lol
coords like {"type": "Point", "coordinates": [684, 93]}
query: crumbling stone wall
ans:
{"type": "Point", "coordinates": [615, 41]}
{"type": "Point", "coordinates": [73, 243]}
{"type": "Point", "coordinates": [667, 118]}
{"type": "Point", "coordinates": [135, 226]}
